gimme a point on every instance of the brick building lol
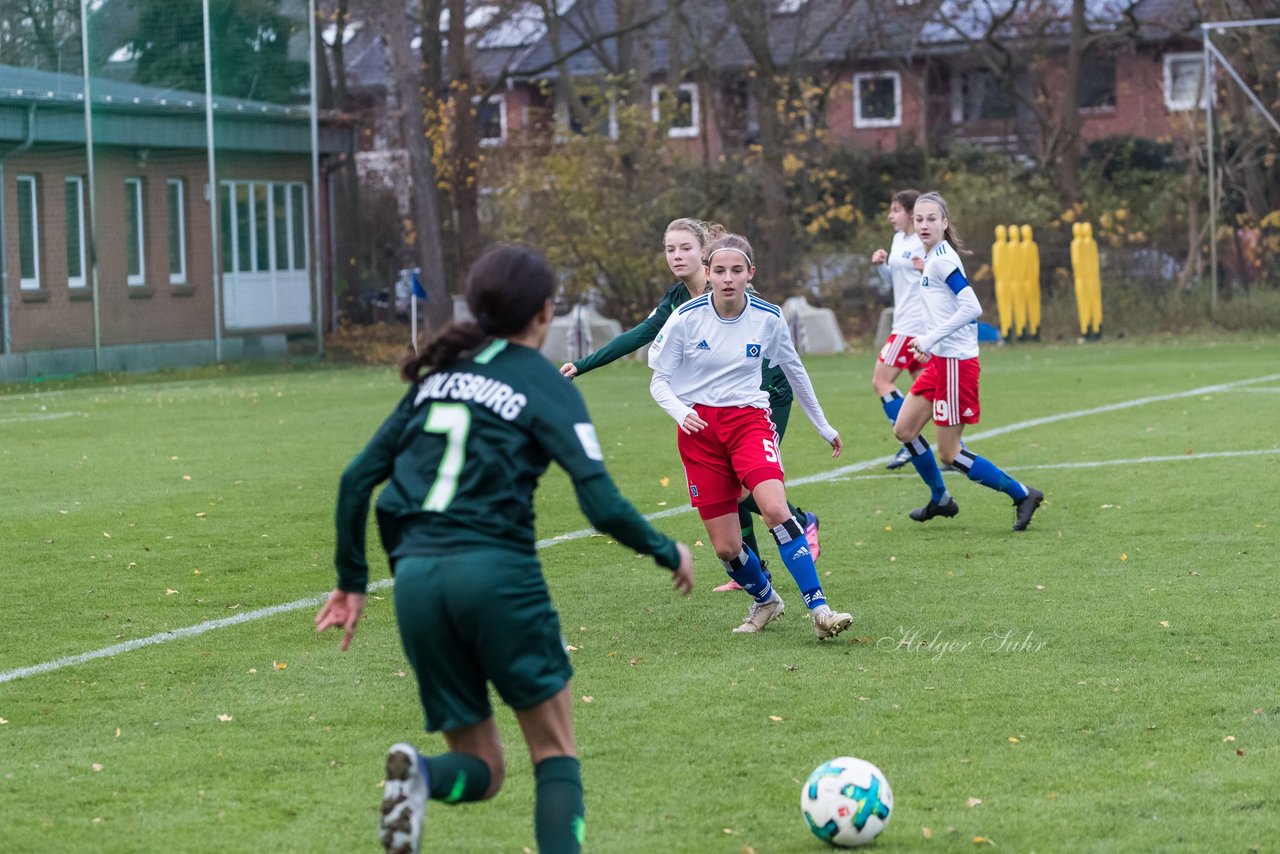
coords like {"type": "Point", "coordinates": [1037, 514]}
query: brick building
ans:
{"type": "Point", "coordinates": [148, 297]}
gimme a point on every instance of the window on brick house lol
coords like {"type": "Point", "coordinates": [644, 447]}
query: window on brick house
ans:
{"type": "Point", "coordinates": [1183, 76]}
{"type": "Point", "coordinates": [1096, 89]}
{"type": "Point", "coordinates": [679, 107]}
{"type": "Point", "coordinates": [177, 231]}
{"type": "Point", "coordinates": [74, 230]}
{"type": "Point", "coordinates": [135, 242]}
{"type": "Point", "coordinates": [877, 99]}
{"type": "Point", "coordinates": [28, 233]}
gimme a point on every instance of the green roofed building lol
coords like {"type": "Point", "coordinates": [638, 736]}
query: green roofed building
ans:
{"type": "Point", "coordinates": [107, 262]}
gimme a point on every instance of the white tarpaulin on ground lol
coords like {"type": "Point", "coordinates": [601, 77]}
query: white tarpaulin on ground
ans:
{"type": "Point", "coordinates": [578, 333]}
{"type": "Point", "coordinates": [813, 329]}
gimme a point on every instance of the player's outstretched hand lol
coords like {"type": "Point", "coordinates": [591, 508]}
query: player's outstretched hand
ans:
{"type": "Point", "coordinates": [568, 370]}
{"type": "Point", "coordinates": [879, 257]}
{"type": "Point", "coordinates": [836, 446]}
{"type": "Point", "coordinates": [918, 263]}
{"type": "Point", "coordinates": [682, 578]}
{"type": "Point", "coordinates": [343, 610]}
{"type": "Point", "coordinates": [692, 423]}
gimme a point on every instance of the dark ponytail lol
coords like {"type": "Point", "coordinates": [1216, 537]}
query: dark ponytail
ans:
{"type": "Point", "coordinates": [506, 288]}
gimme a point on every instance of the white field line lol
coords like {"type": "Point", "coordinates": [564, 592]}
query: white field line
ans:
{"type": "Point", "coordinates": [835, 474]}
{"type": "Point", "coordinates": [40, 416]}
{"type": "Point", "coordinates": [1094, 464]}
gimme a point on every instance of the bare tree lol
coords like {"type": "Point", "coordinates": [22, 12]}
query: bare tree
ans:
{"type": "Point", "coordinates": [406, 77]}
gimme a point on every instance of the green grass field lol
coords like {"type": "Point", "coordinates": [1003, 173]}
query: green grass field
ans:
{"type": "Point", "coordinates": [1104, 682]}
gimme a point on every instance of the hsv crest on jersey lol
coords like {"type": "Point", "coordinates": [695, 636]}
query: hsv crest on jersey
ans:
{"type": "Point", "coordinates": [753, 351]}
{"type": "Point", "coordinates": [703, 345]}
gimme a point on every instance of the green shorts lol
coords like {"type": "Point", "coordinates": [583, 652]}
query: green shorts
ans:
{"type": "Point", "coordinates": [473, 617]}
{"type": "Point", "coordinates": [780, 415]}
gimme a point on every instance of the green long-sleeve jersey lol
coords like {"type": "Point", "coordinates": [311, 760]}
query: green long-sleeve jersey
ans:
{"type": "Point", "coordinates": [774, 381]}
{"type": "Point", "coordinates": [462, 454]}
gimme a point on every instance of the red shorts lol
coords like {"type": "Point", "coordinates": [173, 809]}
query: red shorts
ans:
{"type": "Point", "coordinates": [897, 353]}
{"type": "Point", "coordinates": [952, 385]}
{"type": "Point", "coordinates": [737, 448]}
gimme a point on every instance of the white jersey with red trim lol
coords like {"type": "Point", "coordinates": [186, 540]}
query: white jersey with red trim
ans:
{"type": "Point", "coordinates": [951, 309]}
{"type": "Point", "coordinates": [700, 357]}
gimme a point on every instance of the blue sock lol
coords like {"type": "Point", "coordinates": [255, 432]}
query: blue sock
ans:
{"type": "Point", "coordinates": [796, 557]}
{"type": "Point", "coordinates": [927, 467]}
{"type": "Point", "coordinates": [983, 471]}
{"type": "Point", "coordinates": [745, 569]}
{"type": "Point", "coordinates": [892, 403]}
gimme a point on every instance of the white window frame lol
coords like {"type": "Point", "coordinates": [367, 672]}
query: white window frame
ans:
{"type": "Point", "coordinates": [31, 283]}
{"type": "Point", "coordinates": [180, 277]}
{"type": "Point", "coordinates": [81, 280]}
{"type": "Point", "coordinates": [858, 120]}
{"type": "Point", "coordinates": [280, 259]}
{"type": "Point", "coordinates": [134, 186]}
{"type": "Point", "coordinates": [501, 101]}
{"type": "Point", "coordinates": [695, 119]}
{"type": "Point", "coordinates": [1182, 104]}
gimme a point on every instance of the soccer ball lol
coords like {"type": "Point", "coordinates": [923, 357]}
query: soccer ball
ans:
{"type": "Point", "coordinates": [846, 802]}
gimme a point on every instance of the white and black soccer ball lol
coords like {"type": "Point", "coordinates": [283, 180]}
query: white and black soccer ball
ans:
{"type": "Point", "coordinates": [846, 802]}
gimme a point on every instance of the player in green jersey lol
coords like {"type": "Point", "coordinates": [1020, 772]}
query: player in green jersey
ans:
{"type": "Point", "coordinates": [462, 453]}
{"type": "Point", "coordinates": [683, 243]}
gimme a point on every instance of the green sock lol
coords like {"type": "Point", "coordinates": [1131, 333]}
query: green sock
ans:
{"type": "Point", "coordinates": [748, 525]}
{"type": "Point", "coordinates": [456, 778]}
{"type": "Point", "coordinates": [559, 821]}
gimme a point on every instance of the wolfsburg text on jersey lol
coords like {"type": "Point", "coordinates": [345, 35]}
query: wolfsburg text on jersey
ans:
{"type": "Point", "coordinates": [481, 390]}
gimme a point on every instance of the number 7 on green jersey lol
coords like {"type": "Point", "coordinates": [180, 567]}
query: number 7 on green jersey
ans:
{"type": "Point", "coordinates": [453, 420]}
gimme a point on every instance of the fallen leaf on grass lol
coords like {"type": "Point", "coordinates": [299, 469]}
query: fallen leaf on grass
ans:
{"type": "Point", "coordinates": [279, 665]}
{"type": "Point", "coordinates": [169, 591]}
{"type": "Point", "coordinates": [926, 833]}
{"type": "Point", "coordinates": [1164, 624]}
{"type": "Point", "coordinates": [1230, 738]}
{"type": "Point", "coordinates": [588, 698]}
{"type": "Point", "coordinates": [3, 721]}
{"type": "Point", "coordinates": [97, 766]}
{"type": "Point", "coordinates": [888, 527]}
{"type": "Point", "coordinates": [186, 477]}
{"type": "Point", "coordinates": [1110, 506]}
{"type": "Point", "coordinates": [1239, 752]}
{"type": "Point", "coordinates": [570, 647]}
{"type": "Point", "coordinates": [791, 667]}
{"type": "Point", "coordinates": [105, 534]}
{"type": "Point", "coordinates": [200, 515]}
{"type": "Point", "coordinates": [1013, 739]}
{"type": "Point", "coordinates": [117, 732]}
{"type": "Point", "coordinates": [973, 802]}
{"type": "Point", "coordinates": [981, 840]}
{"type": "Point", "coordinates": [665, 481]}
{"type": "Point", "coordinates": [225, 718]}
{"type": "Point", "coordinates": [1124, 557]}
{"type": "Point", "coordinates": [774, 718]}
